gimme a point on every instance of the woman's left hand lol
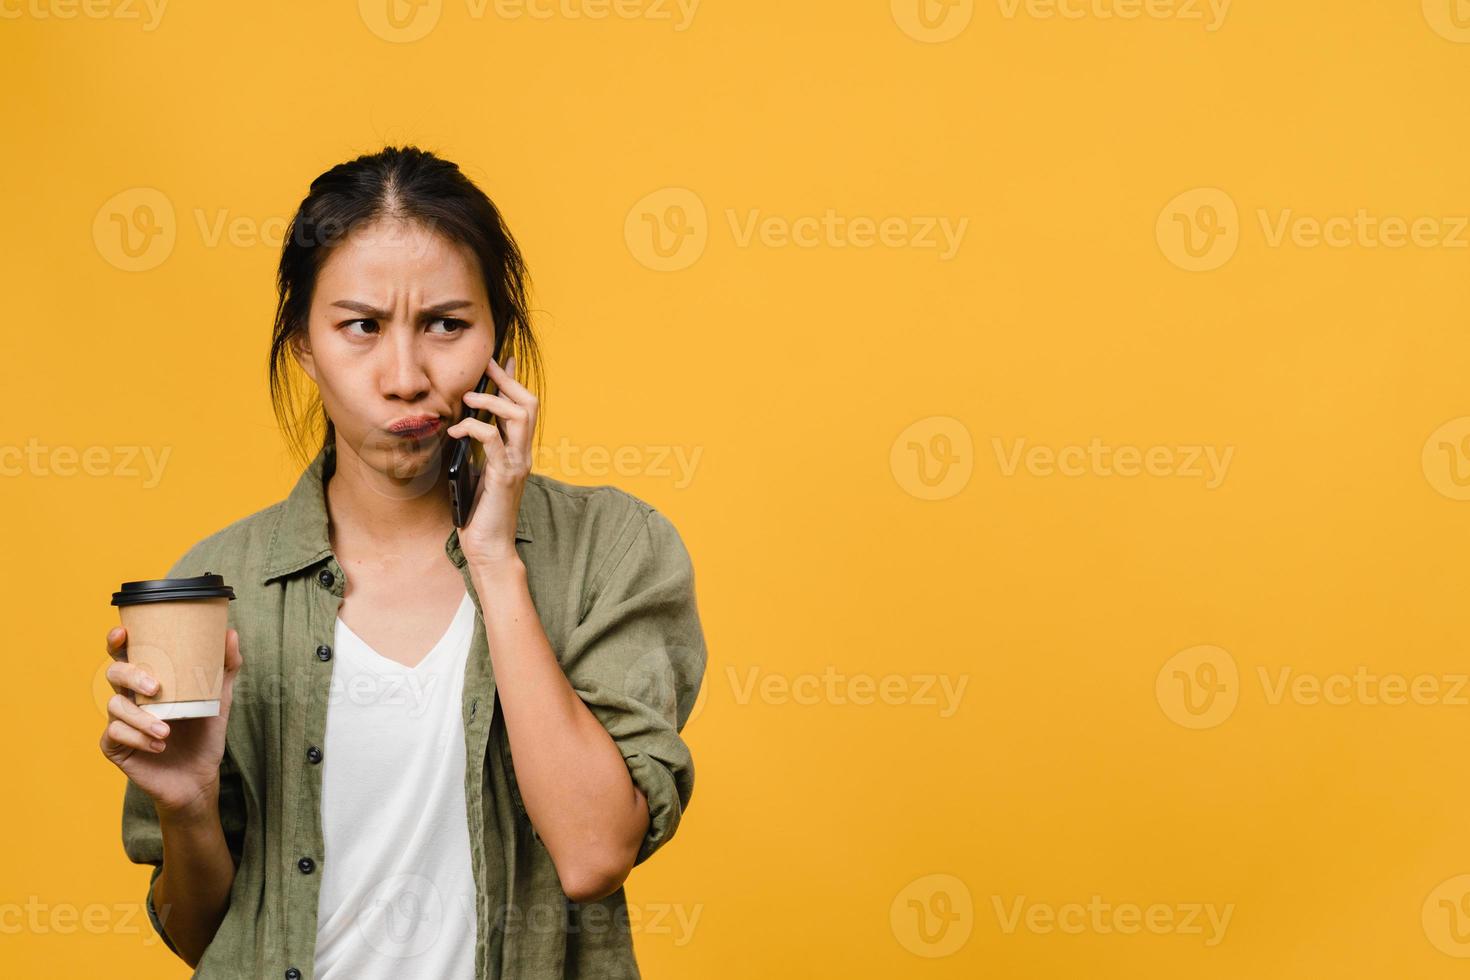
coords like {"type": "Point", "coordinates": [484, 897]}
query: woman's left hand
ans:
{"type": "Point", "coordinates": [490, 533]}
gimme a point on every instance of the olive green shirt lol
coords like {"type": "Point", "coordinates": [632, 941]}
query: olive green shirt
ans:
{"type": "Point", "coordinates": [613, 587]}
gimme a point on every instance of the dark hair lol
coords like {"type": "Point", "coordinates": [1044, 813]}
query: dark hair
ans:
{"type": "Point", "coordinates": [411, 185]}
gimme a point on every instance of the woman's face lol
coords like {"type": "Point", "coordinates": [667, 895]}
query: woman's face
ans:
{"type": "Point", "coordinates": [399, 329]}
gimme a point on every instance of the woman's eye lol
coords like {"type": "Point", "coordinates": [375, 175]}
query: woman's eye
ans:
{"type": "Point", "coordinates": [455, 325]}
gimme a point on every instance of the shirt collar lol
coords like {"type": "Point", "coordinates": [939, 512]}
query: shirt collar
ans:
{"type": "Point", "coordinates": [300, 536]}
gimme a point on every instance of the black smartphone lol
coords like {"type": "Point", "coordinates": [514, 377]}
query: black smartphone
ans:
{"type": "Point", "coordinates": [461, 468]}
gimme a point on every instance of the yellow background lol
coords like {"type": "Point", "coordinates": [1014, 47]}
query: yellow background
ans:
{"type": "Point", "coordinates": [830, 388]}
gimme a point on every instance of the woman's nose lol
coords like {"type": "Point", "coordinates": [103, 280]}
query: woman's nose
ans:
{"type": "Point", "coordinates": [404, 375]}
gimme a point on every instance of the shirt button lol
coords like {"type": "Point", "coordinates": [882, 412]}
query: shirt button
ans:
{"type": "Point", "coordinates": [324, 652]}
{"type": "Point", "coordinates": [292, 973]}
{"type": "Point", "coordinates": [326, 577]}
{"type": "Point", "coordinates": [313, 755]}
{"type": "Point", "coordinates": [306, 865]}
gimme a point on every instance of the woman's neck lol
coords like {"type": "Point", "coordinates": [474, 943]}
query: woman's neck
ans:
{"type": "Point", "coordinates": [386, 513]}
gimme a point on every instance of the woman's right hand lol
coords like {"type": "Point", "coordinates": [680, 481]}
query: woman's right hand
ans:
{"type": "Point", "coordinates": [179, 766]}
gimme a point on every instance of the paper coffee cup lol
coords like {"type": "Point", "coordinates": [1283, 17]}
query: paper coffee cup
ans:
{"type": "Point", "coordinates": [176, 631]}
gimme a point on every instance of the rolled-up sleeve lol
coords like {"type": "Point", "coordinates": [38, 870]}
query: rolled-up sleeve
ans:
{"type": "Point", "coordinates": [142, 836]}
{"type": "Point", "coordinates": [637, 660]}
{"type": "Point", "coordinates": [143, 844]}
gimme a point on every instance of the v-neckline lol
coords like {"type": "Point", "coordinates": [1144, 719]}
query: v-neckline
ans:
{"type": "Point", "coordinates": [443, 641]}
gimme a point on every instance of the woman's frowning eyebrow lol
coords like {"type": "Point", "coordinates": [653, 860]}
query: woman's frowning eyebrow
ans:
{"type": "Point", "coordinates": [427, 313]}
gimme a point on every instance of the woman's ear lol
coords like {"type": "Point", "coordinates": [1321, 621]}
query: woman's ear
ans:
{"type": "Point", "coordinates": [301, 348]}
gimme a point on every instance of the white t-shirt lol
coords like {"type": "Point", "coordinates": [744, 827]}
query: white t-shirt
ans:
{"type": "Point", "coordinates": [398, 890]}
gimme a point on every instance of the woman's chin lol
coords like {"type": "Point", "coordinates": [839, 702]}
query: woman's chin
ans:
{"type": "Point", "coordinates": [414, 460]}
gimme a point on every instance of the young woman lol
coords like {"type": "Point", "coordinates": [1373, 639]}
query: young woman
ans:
{"type": "Point", "coordinates": [439, 751]}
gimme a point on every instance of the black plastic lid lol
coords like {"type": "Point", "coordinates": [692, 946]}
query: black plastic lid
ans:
{"type": "Point", "coordinates": [206, 586]}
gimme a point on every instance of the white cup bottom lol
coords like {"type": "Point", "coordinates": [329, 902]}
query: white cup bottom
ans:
{"type": "Point", "coordinates": [183, 709]}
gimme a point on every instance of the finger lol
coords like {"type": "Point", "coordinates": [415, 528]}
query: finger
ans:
{"type": "Point", "coordinates": [125, 711]}
{"type": "Point", "coordinates": [503, 412]}
{"type": "Point", "coordinates": [117, 642]}
{"type": "Point", "coordinates": [497, 405]}
{"type": "Point", "coordinates": [233, 660]}
{"type": "Point", "coordinates": [126, 678]}
{"type": "Point", "coordinates": [514, 422]}
{"type": "Point", "coordinates": [489, 438]}
{"type": "Point", "coordinates": [504, 378]}
{"type": "Point", "coordinates": [478, 429]}
{"type": "Point", "coordinates": [117, 734]}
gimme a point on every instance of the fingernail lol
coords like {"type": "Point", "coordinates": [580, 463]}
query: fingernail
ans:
{"type": "Point", "coordinates": [150, 687]}
{"type": "Point", "coordinates": [160, 728]}
{"type": "Point", "coordinates": [157, 745]}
